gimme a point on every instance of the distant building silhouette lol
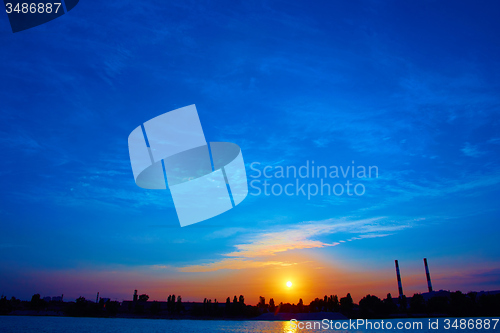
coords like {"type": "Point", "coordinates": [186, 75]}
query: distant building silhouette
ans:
{"type": "Point", "coordinates": [58, 298]}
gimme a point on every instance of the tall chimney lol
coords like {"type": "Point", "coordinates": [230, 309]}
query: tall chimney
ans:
{"type": "Point", "coordinates": [97, 298]}
{"type": "Point", "coordinates": [400, 286]}
{"type": "Point", "coordinates": [429, 285]}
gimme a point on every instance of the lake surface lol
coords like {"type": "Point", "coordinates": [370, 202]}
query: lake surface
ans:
{"type": "Point", "coordinates": [22, 324]}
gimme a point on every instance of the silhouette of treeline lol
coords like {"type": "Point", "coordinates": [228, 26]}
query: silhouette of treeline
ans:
{"type": "Point", "coordinates": [173, 306]}
{"type": "Point", "coordinates": [441, 303]}
{"type": "Point", "coordinates": [235, 308]}
{"type": "Point", "coordinates": [80, 308]}
{"type": "Point", "coordinates": [455, 304]}
{"type": "Point", "coordinates": [326, 304]}
{"type": "Point", "coordinates": [141, 307]}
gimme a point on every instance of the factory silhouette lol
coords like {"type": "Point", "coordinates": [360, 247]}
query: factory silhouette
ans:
{"type": "Point", "coordinates": [427, 295]}
{"type": "Point", "coordinates": [429, 304]}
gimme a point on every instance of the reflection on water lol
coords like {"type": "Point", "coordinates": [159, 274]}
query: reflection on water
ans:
{"type": "Point", "coordinates": [287, 327]}
{"type": "Point", "coordinates": [20, 324]}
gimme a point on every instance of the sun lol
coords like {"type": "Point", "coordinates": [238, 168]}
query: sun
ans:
{"type": "Point", "coordinates": [289, 284]}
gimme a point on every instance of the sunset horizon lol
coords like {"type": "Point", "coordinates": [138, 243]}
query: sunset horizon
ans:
{"type": "Point", "coordinates": [285, 150]}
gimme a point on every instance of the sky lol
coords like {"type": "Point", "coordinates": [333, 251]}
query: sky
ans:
{"type": "Point", "coordinates": [410, 88]}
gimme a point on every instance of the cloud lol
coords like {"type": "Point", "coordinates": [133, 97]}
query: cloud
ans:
{"type": "Point", "coordinates": [20, 140]}
{"type": "Point", "coordinates": [298, 237]}
{"type": "Point", "coordinates": [490, 276]}
{"type": "Point", "coordinates": [302, 237]}
{"type": "Point", "coordinates": [224, 233]}
{"type": "Point", "coordinates": [231, 263]}
{"type": "Point", "coordinates": [395, 188]}
{"type": "Point", "coordinates": [495, 141]}
{"type": "Point", "coordinates": [321, 142]}
{"type": "Point", "coordinates": [471, 150]}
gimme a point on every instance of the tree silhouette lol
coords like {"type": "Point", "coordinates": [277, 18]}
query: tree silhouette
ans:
{"type": "Point", "coordinates": [216, 307]}
{"type": "Point", "coordinates": [155, 308]}
{"type": "Point", "coordinates": [455, 304]}
{"type": "Point", "coordinates": [36, 302]}
{"type": "Point", "coordinates": [390, 306]}
{"type": "Point", "coordinates": [417, 304]}
{"type": "Point", "coordinates": [262, 303]}
{"type": "Point", "coordinates": [178, 307]}
{"type": "Point", "coordinates": [315, 305]}
{"type": "Point", "coordinates": [228, 306]}
{"type": "Point", "coordinates": [438, 304]}
{"type": "Point", "coordinates": [346, 303]}
{"type": "Point", "coordinates": [371, 306]}
{"type": "Point", "coordinates": [460, 304]}
{"type": "Point", "coordinates": [272, 306]}
{"type": "Point", "coordinates": [171, 303]}
{"type": "Point", "coordinates": [80, 306]}
{"type": "Point", "coordinates": [489, 305]}
{"type": "Point", "coordinates": [336, 303]}
{"type": "Point", "coordinates": [5, 305]}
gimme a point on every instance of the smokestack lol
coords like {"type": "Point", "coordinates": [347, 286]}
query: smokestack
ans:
{"type": "Point", "coordinates": [429, 285]}
{"type": "Point", "coordinates": [400, 286]}
{"type": "Point", "coordinates": [97, 298]}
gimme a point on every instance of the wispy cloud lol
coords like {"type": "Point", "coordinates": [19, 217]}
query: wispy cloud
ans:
{"type": "Point", "coordinates": [395, 188]}
{"type": "Point", "coordinates": [302, 236]}
{"type": "Point", "coordinates": [471, 150]}
{"type": "Point", "coordinates": [231, 263]}
{"type": "Point", "coordinates": [20, 140]}
{"type": "Point", "coordinates": [224, 233]}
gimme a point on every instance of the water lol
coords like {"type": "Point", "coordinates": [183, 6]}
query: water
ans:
{"type": "Point", "coordinates": [21, 324]}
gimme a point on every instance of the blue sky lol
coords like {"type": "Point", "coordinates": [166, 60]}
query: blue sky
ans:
{"type": "Point", "coordinates": [412, 88]}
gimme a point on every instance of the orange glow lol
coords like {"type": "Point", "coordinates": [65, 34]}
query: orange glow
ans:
{"type": "Point", "coordinates": [311, 275]}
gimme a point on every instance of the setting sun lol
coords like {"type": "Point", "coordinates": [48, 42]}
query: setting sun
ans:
{"type": "Point", "coordinates": [289, 284]}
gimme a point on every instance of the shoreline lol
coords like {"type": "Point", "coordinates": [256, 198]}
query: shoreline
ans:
{"type": "Point", "coordinates": [313, 316]}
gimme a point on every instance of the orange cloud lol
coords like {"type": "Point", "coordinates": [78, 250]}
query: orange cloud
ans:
{"type": "Point", "coordinates": [236, 263]}
{"type": "Point", "coordinates": [296, 237]}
